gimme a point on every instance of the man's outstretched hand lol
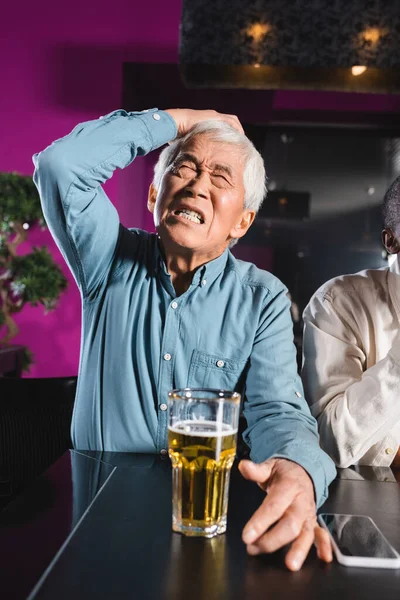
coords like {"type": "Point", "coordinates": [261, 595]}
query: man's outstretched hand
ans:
{"type": "Point", "coordinates": [290, 507]}
{"type": "Point", "coordinates": [185, 118]}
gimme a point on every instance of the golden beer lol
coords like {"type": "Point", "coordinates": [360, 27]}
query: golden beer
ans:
{"type": "Point", "coordinates": [202, 454]}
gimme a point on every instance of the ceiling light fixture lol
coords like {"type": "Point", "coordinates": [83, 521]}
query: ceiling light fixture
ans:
{"type": "Point", "coordinates": [258, 30]}
{"type": "Point", "coordinates": [358, 70]}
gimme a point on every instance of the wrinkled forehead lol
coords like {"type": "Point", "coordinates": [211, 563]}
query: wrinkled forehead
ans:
{"type": "Point", "coordinates": [206, 148]}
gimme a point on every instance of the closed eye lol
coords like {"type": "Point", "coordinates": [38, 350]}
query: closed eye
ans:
{"type": "Point", "coordinates": [185, 170]}
{"type": "Point", "coordinates": [221, 179]}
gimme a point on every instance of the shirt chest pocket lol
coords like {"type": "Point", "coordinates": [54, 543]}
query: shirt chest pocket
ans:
{"type": "Point", "coordinates": [214, 371]}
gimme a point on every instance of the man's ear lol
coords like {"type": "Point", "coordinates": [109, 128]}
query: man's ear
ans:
{"type": "Point", "coordinates": [390, 241]}
{"type": "Point", "coordinates": [151, 198]}
{"type": "Point", "coordinates": [241, 227]}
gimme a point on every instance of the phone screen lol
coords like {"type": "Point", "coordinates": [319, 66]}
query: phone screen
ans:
{"type": "Point", "coordinates": [358, 536]}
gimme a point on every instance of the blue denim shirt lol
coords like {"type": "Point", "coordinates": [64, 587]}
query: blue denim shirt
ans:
{"type": "Point", "coordinates": [231, 329]}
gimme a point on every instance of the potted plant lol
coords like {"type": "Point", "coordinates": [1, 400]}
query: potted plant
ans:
{"type": "Point", "coordinates": [32, 278]}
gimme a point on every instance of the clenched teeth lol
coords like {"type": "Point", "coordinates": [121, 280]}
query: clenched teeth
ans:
{"type": "Point", "coordinates": [190, 215]}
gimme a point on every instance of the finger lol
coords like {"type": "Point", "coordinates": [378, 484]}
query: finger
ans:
{"type": "Point", "coordinates": [301, 546]}
{"type": "Point", "coordinates": [237, 125]}
{"type": "Point", "coordinates": [323, 544]}
{"type": "Point", "coordinates": [234, 122]}
{"type": "Point", "coordinates": [280, 497]}
{"type": "Point", "coordinates": [258, 472]}
{"type": "Point", "coordinates": [285, 531]}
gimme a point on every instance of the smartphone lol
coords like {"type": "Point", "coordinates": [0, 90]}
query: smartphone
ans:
{"type": "Point", "coordinates": [357, 541]}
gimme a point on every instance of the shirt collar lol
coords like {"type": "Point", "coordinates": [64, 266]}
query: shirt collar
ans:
{"type": "Point", "coordinates": [394, 265]}
{"type": "Point", "coordinates": [205, 275]}
{"type": "Point", "coordinates": [208, 273]}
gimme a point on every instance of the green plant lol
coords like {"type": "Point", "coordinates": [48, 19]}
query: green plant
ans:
{"type": "Point", "coordinates": [33, 278]}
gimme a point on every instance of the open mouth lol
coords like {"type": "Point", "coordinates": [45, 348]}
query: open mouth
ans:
{"type": "Point", "coordinates": [190, 215]}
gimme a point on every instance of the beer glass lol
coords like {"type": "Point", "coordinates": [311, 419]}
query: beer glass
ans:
{"type": "Point", "coordinates": [202, 435]}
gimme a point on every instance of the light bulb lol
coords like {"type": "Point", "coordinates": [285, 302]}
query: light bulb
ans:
{"type": "Point", "coordinates": [258, 31]}
{"type": "Point", "coordinates": [358, 70]}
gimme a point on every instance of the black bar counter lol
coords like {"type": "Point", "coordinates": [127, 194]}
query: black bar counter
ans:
{"type": "Point", "coordinates": [98, 526]}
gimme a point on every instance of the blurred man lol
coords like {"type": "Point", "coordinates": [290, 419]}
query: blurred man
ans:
{"type": "Point", "coordinates": [351, 369]}
{"type": "Point", "coordinates": [177, 310]}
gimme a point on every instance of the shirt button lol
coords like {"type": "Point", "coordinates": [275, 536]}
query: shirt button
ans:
{"type": "Point", "coordinates": [163, 406]}
{"type": "Point", "coordinates": [389, 451]}
{"type": "Point", "coordinates": [174, 305]}
{"type": "Point", "coordinates": [156, 116]}
{"type": "Point", "coordinates": [204, 282]}
{"type": "Point", "coordinates": [167, 356]}
{"type": "Point", "coordinates": [163, 452]}
{"type": "Point", "coordinates": [220, 363]}
{"type": "Point", "coordinates": [298, 394]}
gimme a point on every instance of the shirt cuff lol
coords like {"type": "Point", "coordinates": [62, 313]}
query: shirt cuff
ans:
{"type": "Point", "coordinates": [316, 463]}
{"type": "Point", "coordinates": [160, 125]}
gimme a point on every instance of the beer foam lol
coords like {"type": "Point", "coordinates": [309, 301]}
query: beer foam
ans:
{"type": "Point", "coordinates": [191, 428]}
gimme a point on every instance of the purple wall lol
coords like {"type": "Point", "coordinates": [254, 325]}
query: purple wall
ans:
{"type": "Point", "coordinates": [63, 65]}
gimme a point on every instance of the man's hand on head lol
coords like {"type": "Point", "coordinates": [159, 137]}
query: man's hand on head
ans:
{"type": "Point", "coordinates": [290, 507]}
{"type": "Point", "coordinates": [185, 118]}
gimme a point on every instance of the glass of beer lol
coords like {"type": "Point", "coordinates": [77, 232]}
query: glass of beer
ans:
{"type": "Point", "coordinates": [202, 435]}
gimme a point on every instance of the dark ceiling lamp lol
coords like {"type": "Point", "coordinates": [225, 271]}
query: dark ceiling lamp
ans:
{"type": "Point", "coordinates": [344, 45]}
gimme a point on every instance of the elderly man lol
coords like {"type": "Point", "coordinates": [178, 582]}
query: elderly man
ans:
{"type": "Point", "coordinates": [177, 309]}
{"type": "Point", "coordinates": [351, 368]}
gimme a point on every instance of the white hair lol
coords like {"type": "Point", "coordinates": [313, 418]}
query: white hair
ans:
{"type": "Point", "coordinates": [254, 178]}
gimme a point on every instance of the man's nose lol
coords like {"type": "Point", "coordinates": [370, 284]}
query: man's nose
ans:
{"type": "Point", "coordinates": [198, 186]}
